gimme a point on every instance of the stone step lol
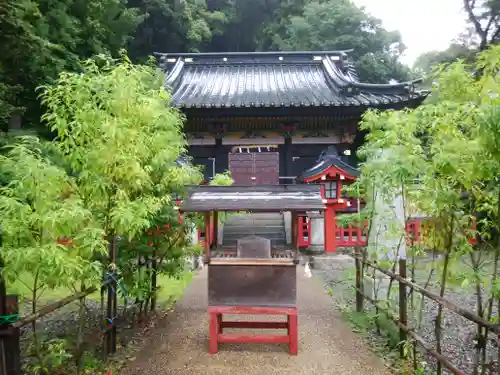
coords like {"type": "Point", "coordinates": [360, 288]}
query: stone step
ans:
{"type": "Point", "coordinates": [267, 225]}
{"type": "Point", "coordinates": [255, 216]}
{"type": "Point", "coordinates": [245, 229]}
{"type": "Point", "coordinates": [271, 236]}
{"type": "Point", "coordinates": [233, 242]}
{"type": "Point", "coordinates": [255, 222]}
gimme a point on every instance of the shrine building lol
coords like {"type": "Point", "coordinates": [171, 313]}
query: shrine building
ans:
{"type": "Point", "coordinates": [279, 118]}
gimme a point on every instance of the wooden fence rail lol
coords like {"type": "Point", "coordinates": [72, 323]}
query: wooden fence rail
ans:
{"type": "Point", "coordinates": [10, 329]}
{"type": "Point", "coordinates": [406, 286]}
{"type": "Point", "coordinates": [10, 332]}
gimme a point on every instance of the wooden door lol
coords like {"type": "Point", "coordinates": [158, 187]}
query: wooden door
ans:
{"type": "Point", "coordinates": [266, 167]}
{"type": "Point", "coordinates": [254, 168]}
{"type": "Point", "coordinates": [241, 168]}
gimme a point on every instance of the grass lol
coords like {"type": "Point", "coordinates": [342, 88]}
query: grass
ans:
{"type": "Point", "coordinates": [170, 289]}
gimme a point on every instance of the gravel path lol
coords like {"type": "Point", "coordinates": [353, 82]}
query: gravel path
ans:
{"type": "Point", "coordinates": [459, 333]}
{"type": "Point", "coordinates": [326, 344]}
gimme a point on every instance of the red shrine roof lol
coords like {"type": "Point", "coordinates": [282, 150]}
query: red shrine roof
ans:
{"type": "Point", "coordinates": [329, 159]}
{"type": "Point", "coordinates": [276, 79]}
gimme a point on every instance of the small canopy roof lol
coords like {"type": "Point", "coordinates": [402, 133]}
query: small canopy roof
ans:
{"type": "Point", "coordinates": [264, 198]}
{"type": "Point", "coordinates": [329, 162]}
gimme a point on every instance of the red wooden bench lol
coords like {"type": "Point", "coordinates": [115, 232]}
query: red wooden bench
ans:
{"type": "Point", "coordinates": [217, 325]}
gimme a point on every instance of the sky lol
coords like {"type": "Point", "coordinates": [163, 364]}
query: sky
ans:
{"type": "Point", "coordinates": [425, 25]}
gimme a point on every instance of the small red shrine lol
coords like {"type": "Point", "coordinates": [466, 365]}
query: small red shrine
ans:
{"type": "Point", "coordinates": [333, 174]}
{"type": "Point", "coordinates": [253, 277]}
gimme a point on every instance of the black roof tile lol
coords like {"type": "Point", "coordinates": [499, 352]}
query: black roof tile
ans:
{"type": "Point", "coordinates": [275, 79]}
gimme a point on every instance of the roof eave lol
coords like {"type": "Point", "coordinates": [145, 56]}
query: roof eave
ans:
{"type": "Point", "coordinates": [267, 53]}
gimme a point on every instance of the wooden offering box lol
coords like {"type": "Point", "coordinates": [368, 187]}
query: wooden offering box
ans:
{"type": "Point", "coordinates": [252, 282]}
{"type": "Point", "coordinates": [252, 279]}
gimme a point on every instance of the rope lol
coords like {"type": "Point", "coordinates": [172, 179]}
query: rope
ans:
{"type": "Point", "coordinates": [7, 319]}
{"type": "Point", "coordinates": [109, 276]}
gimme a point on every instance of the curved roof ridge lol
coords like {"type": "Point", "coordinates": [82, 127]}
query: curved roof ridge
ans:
{"type": "Point", "coordinates": [336, 73]}
{"type": "Point", "coordinates": [250, 54]}
{"type": "Point", "coordinates": [263, 79]}
{"type": "Point", "coordinates": [327, 161]}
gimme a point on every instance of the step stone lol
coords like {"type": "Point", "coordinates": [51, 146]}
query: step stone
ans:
{"type": "Point", "coordinates": [234, 243]}
{"type": "Point", "coordinates": [250, 230]}
{"type": "Point", "coordinates": [270, 236]}
{"type": "Point", "coordinates": [245, 223]}
{"type": "Point", "coordinates": [267, 225]}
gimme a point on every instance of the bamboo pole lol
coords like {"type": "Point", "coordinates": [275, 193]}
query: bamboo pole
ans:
{"type": "Point", "coordinates": [403, 308]}
{"type": "Point", "coordinates": [444, 302]}
{"type": "Point", "coordinates": [55, 306]}
{"type": "Point", "coordinates": [442, 359]}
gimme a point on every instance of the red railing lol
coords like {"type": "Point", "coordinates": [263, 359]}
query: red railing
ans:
{"type": "Point", "coordinates": [304, 231]}
{"type": "Point", "coordinates": [349, 236]}
{"type": "Point", "coordinates": [414, 233]}
{"type": "Point", "coordinates": [413, 230]}
{"type": "Point", "coordinates": [352, 236]}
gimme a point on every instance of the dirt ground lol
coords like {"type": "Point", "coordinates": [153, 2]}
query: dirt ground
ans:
{"type": "Point", "coordinates": [327, 345]}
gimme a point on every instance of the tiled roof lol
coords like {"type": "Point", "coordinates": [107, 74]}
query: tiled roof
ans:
{"type": "Point", "coordinates": [276, 198]}
{"type": "Point", "coordinates": [329, 158]}
{"type": "Point", "coordinates": [275, 79]}
{"type": "Point", "coordinates": [328, 162]}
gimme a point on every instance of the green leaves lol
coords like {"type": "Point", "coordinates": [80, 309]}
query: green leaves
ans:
{"type": "Point", "coordinates": [39, 205]}
{"type": "Point", "coordinates": [320, 25]}
{"type": "Point", "coordinates": [122, 140]}
{"type": "Point", "coordinates": [222, 179]}
{"type": "Point", "coordinates": [445, 156]}
{"type": "Point", "coordinates": [111, 171]}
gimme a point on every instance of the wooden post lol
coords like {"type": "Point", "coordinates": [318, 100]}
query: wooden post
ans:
{"type": "Point", "coordinates": [403, 308]}
{"type": "Point", "coordinates": [359, 284]}
{"type": "Point", "coordinates": [207, 237]}
{"type": "Point", "coordinates": [110, 345]}
{"type": "Point", "coordinates": [154, 271]}
{"type": "Point", "coordinates": [215, 230]}
{"type": "Point", "coordinates": [10, 338]}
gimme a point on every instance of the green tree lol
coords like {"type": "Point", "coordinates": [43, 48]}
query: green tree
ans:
{"type": "Point", "coordinates": [431, 59]}
{"type": "Point", "coordinates": [41, 38]}
{"type": "Point", "coordinates": [40, 205]}
{"type": "Point", "coordinates": [340, 25]}
{"type": "Point", "coordinates": [449, 145]}
{"type": "Point", "coordinates": [244, 30]}
{"type": "Point", "coordinates": [484, 17]}
{"type": "Point", "coordinates": [174, 26]}
{"type": "Point", "coordinates": [121, 141]}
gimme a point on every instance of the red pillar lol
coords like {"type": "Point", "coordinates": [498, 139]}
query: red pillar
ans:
{"type": "Point", "coordinates": [330, 229]}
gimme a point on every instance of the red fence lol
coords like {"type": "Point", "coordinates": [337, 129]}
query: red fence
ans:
{"type": "Point", "coordinates": [352, 236]}
{"type": "Point", "coordinates": [349, 236]}
{"type": "Point", "coordinates": [304, 231]}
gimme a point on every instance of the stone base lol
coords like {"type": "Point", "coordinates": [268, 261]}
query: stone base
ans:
{"type": "Point", "coordinates": [316, 249]}
{"type": "Point", "coordinates": [287, 219]}
{"type": "Point", "coordinates": [376, 287]}
{"type": "Point", "coordinates": [220, 234]}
